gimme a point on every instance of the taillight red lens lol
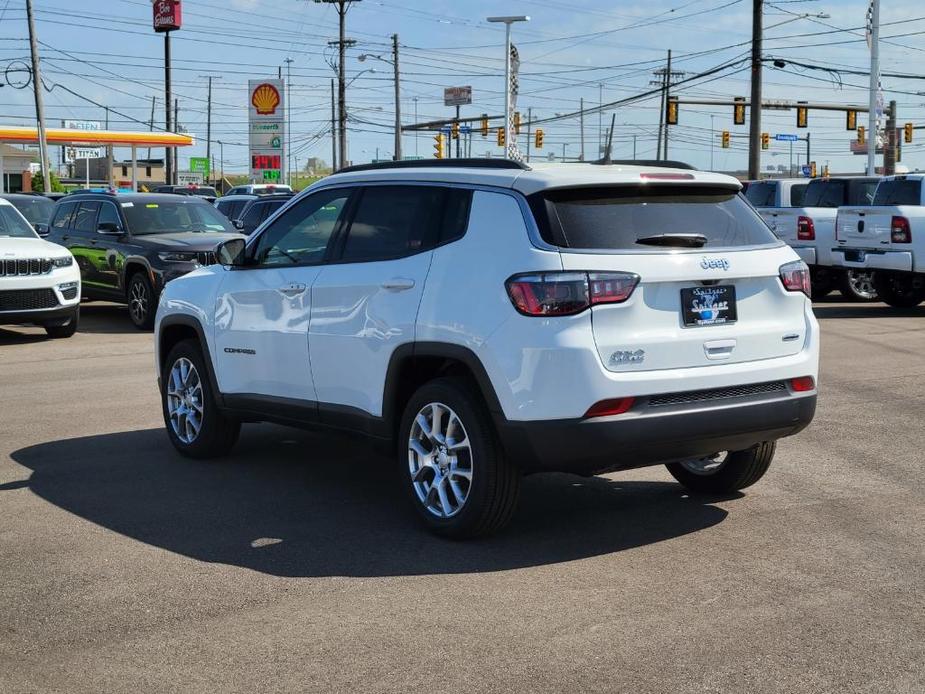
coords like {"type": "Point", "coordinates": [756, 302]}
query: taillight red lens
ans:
{"type": "Point", "coordinates": [607, 408]}
{"type": "Point", "coordinates": [806, 230]}
{"type": "Point", "coordinates": [900, 231]}
{"type": "Point", "coordinates": [568, 293]}
{"type": "Point", "coordinates": [795, 277]}
{"type": "Point", "coordinates": [803, 384]}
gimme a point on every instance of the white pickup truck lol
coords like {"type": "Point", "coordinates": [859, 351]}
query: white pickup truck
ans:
{"type": "Point", "coordinates": [888, 238]}
{"type": "Point", "coordinates": [810, 230]}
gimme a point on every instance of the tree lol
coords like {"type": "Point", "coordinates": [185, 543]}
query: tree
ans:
{"type": "Point", "coordinates": [38, 183]}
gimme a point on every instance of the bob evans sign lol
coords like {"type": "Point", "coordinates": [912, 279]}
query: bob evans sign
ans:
{"type": "Point", "coordinates": [167, 15]}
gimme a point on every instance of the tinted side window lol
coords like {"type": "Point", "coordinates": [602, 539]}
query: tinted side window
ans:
{"type": "Point", "coordinates": [85, 220]}
{"type": "Point", "coordinates": [394, 221]}
{"type": "Point", "coordinates": [456, 209]}
{"type": "Point", "coordinates": [63, 214]}
{"type": "Point", "coordinates": [899, 193]}
{"type": "Point", "coordinates": [109, 214]}
{"type": "Point", "coordinates": [302, 233]}
{"type": "Point", "coordinates": [760, 194]}
{"type": "Point", "coordinates": [797, 193]}
{"type": "Point", "coordinates": [254, 215]}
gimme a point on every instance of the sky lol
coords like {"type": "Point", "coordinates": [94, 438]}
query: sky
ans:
{"type": "Point", "coordinates": [590, 50]}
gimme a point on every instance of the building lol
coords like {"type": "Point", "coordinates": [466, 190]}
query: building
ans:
{"type": "Point", "coordinates": [14, 163]}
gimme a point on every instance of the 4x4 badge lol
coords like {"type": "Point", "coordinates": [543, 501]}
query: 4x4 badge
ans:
{"type": "Point", "coordinates": [714, 263]}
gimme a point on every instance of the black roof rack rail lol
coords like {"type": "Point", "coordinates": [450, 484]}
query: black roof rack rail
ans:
{"type": "Point", "coordinates": [463, 163]}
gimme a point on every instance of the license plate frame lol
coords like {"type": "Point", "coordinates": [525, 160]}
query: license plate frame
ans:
{"type": "Point", "coordinates": [703, 307]}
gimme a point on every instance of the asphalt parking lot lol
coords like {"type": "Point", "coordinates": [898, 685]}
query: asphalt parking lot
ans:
{"type": "Point", "coordinates": [295, 565]}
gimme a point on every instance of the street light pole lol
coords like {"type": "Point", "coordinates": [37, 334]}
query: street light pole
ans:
{"type": "Point", "coordinates": [288, 133]}
{"type": "Point", "coordinates": [874, 25]}
{"type": "Point", "coordinates": [39, 102]}
{"type": "Point", "coordinates": [507, 21]}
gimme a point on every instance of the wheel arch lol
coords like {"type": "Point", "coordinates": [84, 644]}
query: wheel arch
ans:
{"type": "Point", "coordinates": [133, 264]}
{"type": "Point", "coordinates": [175, 329]}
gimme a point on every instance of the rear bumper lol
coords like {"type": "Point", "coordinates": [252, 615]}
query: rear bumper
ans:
{"type": "Point", "coordinates": [873, 259]}
{"type": "Point", "coordinates": [651, 436]}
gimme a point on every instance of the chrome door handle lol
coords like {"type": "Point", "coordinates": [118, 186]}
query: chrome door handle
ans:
{"type": "Point", "coordinates": [293, 289]}
{"type": "Point", "coordinates": [398, 284]}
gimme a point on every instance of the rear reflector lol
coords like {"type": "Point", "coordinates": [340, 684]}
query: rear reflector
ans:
{"type": "Point", "coordinates": [900, 231]}
{"type": "Point", "coordinates": [803, 384]}
{"type": "Point", "coordinates": [806, 230]}
{"type": "Point", "coordinates": [607, 408]}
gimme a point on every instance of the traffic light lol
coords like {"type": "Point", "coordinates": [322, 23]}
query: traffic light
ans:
{"type": "Point", "coordinates": [484, 125]}
{"type": "Point", "coordinates": [439, 146]}
{"type": "Point", "coordinates": [825, 171]}
{"type": "Point", "coordinates": [738, 111]}
{"type": "Point", "coordinates": [812, 169]}
{"type": "Point", "coordinates": [765, 140]}
{"type": "Point", "coordinates": [907, 133]}
{"type": "Point", "coordinates": [501, 137]}
{"type": "Point", "coordinates": [517, 122]}
{"type": "Point", "coordinates": [538, 138]}
{"type": "Point", "coordinates": [851, 120]}
{"type": "Point", "coordinates": [671, 116]}
{"type": "Point", "coordinates": [861, 131]}
{"type": "Point", "coordinates": [725, 139]}
{"type": "Point", "coordinates": [455, 131]}
{"type": "Point", "coordinates": [802, 117]}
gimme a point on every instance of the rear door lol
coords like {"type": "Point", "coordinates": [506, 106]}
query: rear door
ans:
{"type": "Point", "coordinates": [721, 303]}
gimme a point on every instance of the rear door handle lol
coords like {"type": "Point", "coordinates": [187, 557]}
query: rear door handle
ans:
{"type": "Point", "coordinates": [293, 289]}
{"type": "Point", "coordinates": [719, 349]}
{"type": "Point", "coordinates": [398, 284]}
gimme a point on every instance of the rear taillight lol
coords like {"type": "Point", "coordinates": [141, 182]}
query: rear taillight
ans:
{"type": "Point", "coordinates": [568, 293]}
{"type": "Point", "coordinates": [900, 231]}
{"type": "Point", "coordinates": [795, 277]}
{"type": "Point", "coordinates": [607, 408]}
{"type": "Point", "coordinates": [803, 384]}
{"type": "Point", "coordinates": [806, 230]}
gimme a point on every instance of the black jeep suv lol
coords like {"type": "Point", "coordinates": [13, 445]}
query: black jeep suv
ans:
{"type": "Point", "coordinates": [129, 246]}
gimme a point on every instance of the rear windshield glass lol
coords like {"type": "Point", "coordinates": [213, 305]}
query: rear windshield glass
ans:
{"type": "Point", "coordinates": [166, 217]}
{"type": "Point", "coordinates": [861, 192]}
{"type": "Point", "coordinates": [899, 193]}
{"type": "Point", "coordinates": [618, 218]}
{"type": "Point", "coordinates": [37, 210]}
{"type": "Point", "coordinates": [761, 194]}
{"type": "Point", "coordinates": [826, 194]}
{"type": "Point", "coordinates": [797, 194]}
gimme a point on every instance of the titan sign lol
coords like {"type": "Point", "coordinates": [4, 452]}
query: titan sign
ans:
{"type": "Point", "coordinates": [267, 129]}
{"type": "Point", "coordinates": [167, 15]}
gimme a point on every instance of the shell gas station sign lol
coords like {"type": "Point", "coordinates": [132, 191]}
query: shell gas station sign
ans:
{"type": "Point", "coordinates": [267, 129]}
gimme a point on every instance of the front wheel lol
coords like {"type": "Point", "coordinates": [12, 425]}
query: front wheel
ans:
{"type": "Point", "coordinates": [726, 472]}
{"type": "Point", "coordinates": [859, 285]}
{"type": "Point", "coordinates": [67, 329]}
{"type": "Point", "coordinates": [901, 290]}
{"type": "Point", "coordinates": [141, 301]}
{"type": "Point", "coordinates": [451, 463]}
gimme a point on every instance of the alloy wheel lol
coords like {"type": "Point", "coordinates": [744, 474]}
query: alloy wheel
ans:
{"type": "Point", "coordinates": [440, 460]}
{"type": "Point", "coordinates": [184, 400]}
{"type": "Point", "coordinates": [138, 302]}
{"type": "Point", "coordinates": [862, 284]}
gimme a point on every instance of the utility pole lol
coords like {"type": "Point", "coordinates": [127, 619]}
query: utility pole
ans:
{"type": "Point", "coordinates": [664, 77]}
{"type": "Point", "coordinates": [39, 102]}
{"type": "Point", "coordinates": [581, 121]}
{"type": "Point", "coordinates": [529, 131]}
{"type": "Point", "coordinates": [873, 134]}
{"type": "Point", "coordinates": [890, 143]}
{"type": "Point", "coordinates": [287, 150]}
{"type": "Point", "coordinates": [168, 154]}
{"type": "Point", "coordinates": [600, 119]}
{"type": "Point", "coordinates": [415, 100]}
{"type": "Point", "coordinates": [665, 105]}
{"type": "Point", "coordinates": [342, 6]}
{"type": "Point", "coordinates": [110, 177]}
{"type": "Point", "coordinates": [209, 122]}
{"type": "Point", "coordinates": [754, 130]}
{"type": "Point", "coordinates": [175, 151]}
{"type": "Point", "coordinates": [333, 132]}
{"type": "Point", "coordinates": [151, 122]}
{"type": "Point", "coordinates": [397, 154]}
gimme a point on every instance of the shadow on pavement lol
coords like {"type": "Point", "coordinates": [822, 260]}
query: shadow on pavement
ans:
{"type": "Point", "coordinates": [292, 503]}
{"type": "Point", "coordinates": [105, 319]}
{"type": "Point", "coordinates": [872, 310]}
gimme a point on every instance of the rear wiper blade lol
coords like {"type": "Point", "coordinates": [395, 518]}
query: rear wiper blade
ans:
{"type": "Point", "coordinates": [676, 240]}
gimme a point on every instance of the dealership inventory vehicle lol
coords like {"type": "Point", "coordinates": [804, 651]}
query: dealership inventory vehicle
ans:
{"type": "Point", "coordinates": [483, 319]}
{"type": "Point", "coordinates": [810, 230]}
{"type": "Point", "coordinates": [770, 195]}
{"type": "Point", "coordinates": [207, 192]}
{"type": "Point", "coordinates": [37, 209]}
{"type": "Point", "coordinates": [887, 238]}
{"type": "Point", "coordinates": [129, 246]}
{"type": "Point", "coordinates": [259, 209]}
{"type": "Point", "coordinates": [39, 282]}
{"type": "Point", "coordinates": [260, 189]}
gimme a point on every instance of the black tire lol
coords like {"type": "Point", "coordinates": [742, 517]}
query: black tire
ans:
{"type": "Point", "coordinates": [57, 332]}
{"type": "Point", "coordinates": [822, 282]}
{"type": "Point", "coordinates": [901, 290]}
{"type": "Point", "coordinates": [142, 303]}
{"type": "Point", "coordinates": [217, 433]}
{"type": "Point", "coordinates": [859, 286]}
{"type": "Point", "coordinates": [491, 496]}
{"type": "Point", "coordinates": [741, 469]}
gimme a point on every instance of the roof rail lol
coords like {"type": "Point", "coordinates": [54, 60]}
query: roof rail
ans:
{"type": "Point", "coordinates": [464, 163]}
{"type": "Point", "coordinates": [658, 163]}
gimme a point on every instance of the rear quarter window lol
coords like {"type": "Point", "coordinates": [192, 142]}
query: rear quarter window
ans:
{"type": "Point", "coordinates": [900, 192]}
{"type": "Point", "coordinates": [617, 217]}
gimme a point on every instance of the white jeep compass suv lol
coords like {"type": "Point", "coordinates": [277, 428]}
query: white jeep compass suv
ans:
{"type": "Point", "coordinates": [487, 319]}
{"type": "Point", "coordinates": [39, 281]}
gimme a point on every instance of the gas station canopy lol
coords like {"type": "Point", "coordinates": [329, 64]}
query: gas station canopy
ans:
{"type": "Point", "coordinates": [65, 136]}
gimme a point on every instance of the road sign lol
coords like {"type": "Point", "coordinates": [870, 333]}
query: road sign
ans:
{"type": "Point", "coordinates": [76, 152]}
{"type": "Point", "coordinates": [465, 129]}
{"type": "Point", "coordinates": [806, 171]}
{"type": "Point", "coordinates": [189, 178]}
{"type": "Point", "coordinates": [199, 165]}
{"type": "Point", "coordinates": [457, 96]}
{"type": "Point", "coordinates": [786, 138]}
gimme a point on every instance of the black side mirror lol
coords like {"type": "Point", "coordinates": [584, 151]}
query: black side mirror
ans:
{"type": "Point", "coordinates": [231, 253]}
{"type": "Point", "coordinates": [42, 230]}
{"type": "Point", "coordinates": [109, 228]}
{"type": "Point", "coordinates": [238, 223]}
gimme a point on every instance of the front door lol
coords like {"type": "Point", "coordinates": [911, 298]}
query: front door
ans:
{"type": "Point", "coordinates": [262, 311]}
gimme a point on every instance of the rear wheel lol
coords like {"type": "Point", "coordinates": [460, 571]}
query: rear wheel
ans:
{"type": "Point", "coordinates": [66, 329]}
{"type": "Point", "coordinates": [195, 425]}
{"type": "Point", "coordinates": [451, 463]}
{"type": "Point", "coordinates": [901, 290]}
{"type": "Point", "coordinates": [141, 301]}
{"type": "Point", "coordinates": [822, 282]}
{"type": "Point", "coordinates": [859, 285]}
{"type": "Point", "coordinates": [724, 472]}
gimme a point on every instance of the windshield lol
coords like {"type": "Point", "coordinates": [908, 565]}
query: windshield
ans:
{"type": "Point", "coordinates": [35, 209]}
{"type": "Point", "coordinates": [632, 217]}
{"type": "Point", "coordinates": [13, 225]}
{"type": "Point", "coordinates": [169, 217]}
